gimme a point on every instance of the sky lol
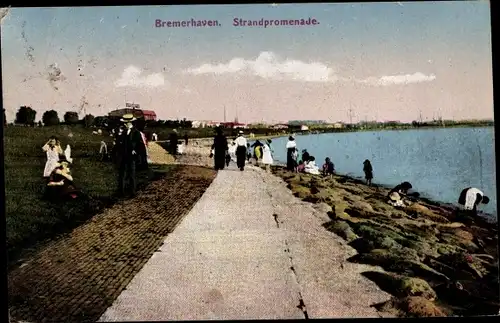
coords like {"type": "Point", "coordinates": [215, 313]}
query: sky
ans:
{"type": "Point", "coordinates": [360, 61]}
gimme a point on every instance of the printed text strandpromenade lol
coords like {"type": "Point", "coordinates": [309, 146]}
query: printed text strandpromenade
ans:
{"type": "Point", "coordinates": [237, 22]}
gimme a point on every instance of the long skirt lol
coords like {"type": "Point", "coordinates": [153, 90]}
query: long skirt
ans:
{"type": "Point", "coordinates": [220, 159]}
{"type": "Point", "coordinates": [290, 161]}
{"type": "Point", "coordinates": [241, 153]}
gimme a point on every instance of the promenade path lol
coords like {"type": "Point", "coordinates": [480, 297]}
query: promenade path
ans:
{"type": "Point", "coordinates": [249, 250]}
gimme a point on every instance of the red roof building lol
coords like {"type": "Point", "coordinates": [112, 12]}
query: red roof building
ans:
{"type": "Point", "coordinates": [138, 113]}
{"type": "Point", "coordinates": [149, 115]}
{"type": "Point", "coordinates": [233, 125]}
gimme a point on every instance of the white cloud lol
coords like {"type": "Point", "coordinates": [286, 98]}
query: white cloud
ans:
{"type": "Point", "coordinates": [269, 66]}
{"type": "Point", "coordinates": [399, 79]}
{"type": "Point", "coordinates": [132, 77]}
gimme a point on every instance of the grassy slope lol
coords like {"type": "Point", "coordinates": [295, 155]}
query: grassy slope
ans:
{"type": "Point", "coordinates": [30, 219]}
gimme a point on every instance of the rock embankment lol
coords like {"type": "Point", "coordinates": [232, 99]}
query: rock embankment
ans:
{"type": "Point", "coordinates": [437, 263]}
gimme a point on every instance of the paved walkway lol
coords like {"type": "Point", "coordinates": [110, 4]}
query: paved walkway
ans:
{"type": "Point", "coordinates": [249, 250]}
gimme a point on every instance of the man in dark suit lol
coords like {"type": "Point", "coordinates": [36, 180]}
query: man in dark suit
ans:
{"type": "Point", "coordinates": [173, 139]}
{"type": "Point", "coordinates": [129, 145]}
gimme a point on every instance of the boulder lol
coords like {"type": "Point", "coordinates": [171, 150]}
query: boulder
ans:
{"type": "Point", "coordinates": [411, 286]}
{"type": "Point", "coordinates": [418, 306]}
{"type": "Point", "coordinates": [323, 208]}
{"type": "Point", "coordinates": [401, 286]}
{"type": "Point", "coordinates": [419, 210]}
{"type": "Point", "coordinates": [342, 229]}
{"type": "Point", "coordinates": [300, 191]}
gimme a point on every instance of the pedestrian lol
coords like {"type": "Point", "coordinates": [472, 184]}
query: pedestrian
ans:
{"type": "Point", "coordinates": [103, 151]}
{"type": "Point", "coordinates": [186, 139]}
{"type": "Point", "coordinates": [241, 150]}
{"type": "Point", "coordinates": [470, 198]}
{"type": "Point", "coordinates": [368, 169]}
{"type": "Point", "coordinates": [257, 154]}
{"type": "Point", "coordinates": [249, 152]}
{"type": "Point", "coordinates": [291, 147]}
{"type": "Point", "coordinates": [129, 144]}
{"type": "Point", "coordinates": [220, 149]}
{"type": "Point", "coordinates": [267, 157]}
{"type": "Point", "coordinates": [173, 142]}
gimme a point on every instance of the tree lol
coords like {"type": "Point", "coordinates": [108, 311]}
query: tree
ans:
{"type": "Point", "coordinates": [25, 115]}
{"type": "Point", "coordinates": [50, 118]}
{"type": "Point", "coordinates": [100, 121]}
{"type": "Point", "coordinates": [88, 120]}
{"type": "Point", "coordinates": [71, 117]}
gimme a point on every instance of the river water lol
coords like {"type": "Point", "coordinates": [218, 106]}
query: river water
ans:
{"type": "Point", "coordinates": [438, 162]}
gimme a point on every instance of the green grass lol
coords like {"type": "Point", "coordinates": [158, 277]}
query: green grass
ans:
{"type": "Point", "coordinates": [29, 218]}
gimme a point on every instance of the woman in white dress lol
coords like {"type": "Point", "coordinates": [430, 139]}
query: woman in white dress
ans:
{"type": "Point", "coordinates": [267, 156]}
{"type": "Point", "coordinates": [53, 149]}
{"type": "Point", "coordinates": [311, 167]}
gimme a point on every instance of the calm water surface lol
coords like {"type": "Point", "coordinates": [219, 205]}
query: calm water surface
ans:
{"type": "Point", "coordinates": [438, 162]}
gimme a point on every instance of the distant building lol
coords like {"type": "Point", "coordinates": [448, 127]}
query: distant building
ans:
{"type": "Point", "coordinates": [134, 109]}
{"type": "Point", "coordinates": [338, 125]}
{"type": "Point", "coordinates": [304, 127]}
{"type": "Point", "coordinates": [149, 115]}
{"type": "Point", "coordinates": [233, 125]}
{"type": "Point", "coordinates": [280, 126]}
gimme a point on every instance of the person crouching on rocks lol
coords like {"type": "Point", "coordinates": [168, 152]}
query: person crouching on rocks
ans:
{"type": "Point", "coordinates": [470, 198]}
{"type": "Point", "coordinates": [368, 170]}
{"type": "Point", "coordinates": [328, 167]}
{"type": "Point", "coordinates": [61, 186]}
{"type": "Point", "coordinates": [397, 196]}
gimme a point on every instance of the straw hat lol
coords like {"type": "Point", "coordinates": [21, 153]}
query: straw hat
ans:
{"type": "Point", "coordinates": [129, 117]}
{"type": "Point", "coordinates": [394, 196]}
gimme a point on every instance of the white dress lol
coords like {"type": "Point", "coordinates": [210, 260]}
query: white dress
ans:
{"type": "Point", "coordinates": [232, 152]}
{"type": "Point", "coordinates": [267, 158]}
{"type": "Point", "coordinates": [52, 160]}
{"type": "Point", "coordinates": [311, 168]}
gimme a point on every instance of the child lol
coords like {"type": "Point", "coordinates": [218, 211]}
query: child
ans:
{"type": "Point", "coordinates": [61, 184]}
{"type": "Point", "coordinates": [367, 168]}
{"type": "Point", "coordinates": [328, 167]}
{"type": "Point", "coordinates": [249, 152]}
{"type": "Point", "coordinates": [53, 149]}
{"type": "Point", "coordinates": [301, 167]}
{"type": "Point", "coordinates": [228, 158]}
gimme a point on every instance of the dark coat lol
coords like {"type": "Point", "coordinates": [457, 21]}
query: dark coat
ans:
{"type": "Point", "coordinates": [220, 149]}
{"type": "Point", "coordinates": [125, 144]}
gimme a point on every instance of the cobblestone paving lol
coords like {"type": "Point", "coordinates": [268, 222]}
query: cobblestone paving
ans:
{"type": "Point", "coordinates": [77, 278]}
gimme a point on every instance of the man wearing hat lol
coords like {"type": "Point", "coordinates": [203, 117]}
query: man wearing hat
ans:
{"type": "Point", "coordinates": [128, 146]}
{"type": "Point", "coordinates": [241, 150]}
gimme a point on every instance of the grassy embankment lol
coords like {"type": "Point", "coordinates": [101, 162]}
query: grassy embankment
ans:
{"type": "Point", "coordinates": [29, 218]}
{"type": "Point", "coordinates": [436, 262]}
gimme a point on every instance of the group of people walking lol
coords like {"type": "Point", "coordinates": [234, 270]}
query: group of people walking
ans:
{"type": "Point", "coordinates": [240, 151]}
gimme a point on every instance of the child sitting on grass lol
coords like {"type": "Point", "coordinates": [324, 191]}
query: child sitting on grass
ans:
{"type": "Point", "coordinates": [61, 186]}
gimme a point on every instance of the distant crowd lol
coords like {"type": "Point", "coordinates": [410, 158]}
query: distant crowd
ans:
{"type": "Point", "coordinates": [241, 152]}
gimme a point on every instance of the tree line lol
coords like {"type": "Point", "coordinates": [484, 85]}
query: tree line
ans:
{"type": "Point", "coordinates": [26, 116]}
